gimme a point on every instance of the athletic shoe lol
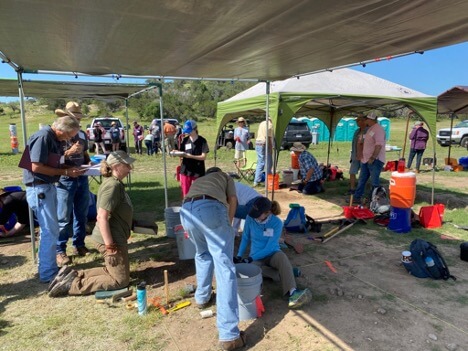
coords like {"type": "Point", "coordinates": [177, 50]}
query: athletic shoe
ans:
{"type": "Point", "coordinates": [81, 251]}
{"type": "Point", "coordinates": [62, 273]}
{"type": "Point", "coordinates": [63, 287]}
{"type": "Point", "coordinates": [299, 298]}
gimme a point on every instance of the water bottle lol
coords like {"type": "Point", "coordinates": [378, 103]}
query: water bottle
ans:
{"type": "Point", "coordinates": [431, 267]}
{"type": "Point", "coordinates": [401, 165]}
{"type": "Point", "coordinates": [141, 298]}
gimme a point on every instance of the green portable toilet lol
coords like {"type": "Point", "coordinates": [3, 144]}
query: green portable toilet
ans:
{"type": "Point", "coordinates": [385, 123]}
{"type": "Point", "coordinates": [321, 128]}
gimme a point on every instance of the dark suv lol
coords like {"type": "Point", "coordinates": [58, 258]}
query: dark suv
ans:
{"type": "Point", "coordinates": [296, 132]}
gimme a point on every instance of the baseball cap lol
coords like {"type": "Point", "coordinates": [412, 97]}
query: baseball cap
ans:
{"type": "Point", "coordinates": [372, 115]}
{"type": "Point", "coordinates": [189, 126]}
{"type": "Point", "coordinates": [119, 156]}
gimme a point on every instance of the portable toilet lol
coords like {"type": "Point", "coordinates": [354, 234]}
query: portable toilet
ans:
{"type": "Point", "coordinates": [340, 130]}
{"type": "Point", "coordinates": [321, 128]}
{"type": "Point", "coordinates": [385, 123]}
{"type": "Point", "coordinates": [352, 126]}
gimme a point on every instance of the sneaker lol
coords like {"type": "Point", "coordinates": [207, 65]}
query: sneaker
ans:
{"type": "Point", "coordinates": [63, 287]}
{"type": "Point", "coordinates": [299, 298]}
{"type": "Point", "coordinates": [207, 304]}
{"type": "Point", "coordinates": [81, 251]}
{"type": "Point", "coordinates": [60, 275]}
{"type": "Point", "coordinates": [234, 344]}
{"type": "Point", "coordinates": [63, 259]}
{"type": "Point", "coordinates": [357, 201]}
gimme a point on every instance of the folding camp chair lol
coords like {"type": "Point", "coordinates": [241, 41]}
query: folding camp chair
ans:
{"type": "Point", "coordinates": [247, 171]}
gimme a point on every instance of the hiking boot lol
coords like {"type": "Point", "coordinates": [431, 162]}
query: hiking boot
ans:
{"type": "Point", "coordinates": [234, 344]}
{"type": "Point", "coordinates": [357, 201]}
{"type": "Point", "coordinates": [62, 273]}
{"type": "Point", "coordinates": [63, 259]}
{"type": "Point", "coordinates": [299, 298]}
{"type": "Point", "coordinates": [207, 304]}
{"type": "Point", "coordinates": [63, 287]}
{"type": "Point", "coordinates": [81, 251]}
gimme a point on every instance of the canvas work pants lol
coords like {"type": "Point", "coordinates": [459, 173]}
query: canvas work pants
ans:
{"type": "Point", "coordinates": [280, 262]}
{"type": "Point", "coordinates": [103, 278]}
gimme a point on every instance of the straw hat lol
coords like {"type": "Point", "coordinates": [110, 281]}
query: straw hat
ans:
{"type": "Point", "coordinates": [298, 147]}
{"type": "Point", "coordinates": [72, 109]}
{"type": "Point", "coordinates": [240, 119]}
{"type": "Point", "coordinates": [119, 156]}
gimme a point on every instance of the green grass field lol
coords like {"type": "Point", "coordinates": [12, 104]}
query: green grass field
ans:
{"type": "Point", "coordinates": [147, 191]}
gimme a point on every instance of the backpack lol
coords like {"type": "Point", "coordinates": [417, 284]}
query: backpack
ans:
{"type": "Point", "coordinates": [298, 222]}
{"type": "Point", "coordinates": [380, 202]}
{"type": "Point", "coordinates": [420, 250]}
{"type": "Point", "coordinates": [115, 134]}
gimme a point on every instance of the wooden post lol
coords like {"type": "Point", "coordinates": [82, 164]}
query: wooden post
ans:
{"type": "Point", "coordinates": [166, 286]}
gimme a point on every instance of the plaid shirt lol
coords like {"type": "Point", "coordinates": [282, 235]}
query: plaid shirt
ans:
{"type": "Point", "coordinates": [306, 162]}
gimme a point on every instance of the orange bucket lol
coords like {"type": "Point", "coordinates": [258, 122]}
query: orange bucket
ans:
{"type": "Point", "coordinates": [273, 181]}
{"type": "Point", "coordinates": [402, 189]}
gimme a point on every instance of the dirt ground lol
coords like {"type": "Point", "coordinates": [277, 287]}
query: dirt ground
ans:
{"type": "Point", "coordinates": [365, 301]}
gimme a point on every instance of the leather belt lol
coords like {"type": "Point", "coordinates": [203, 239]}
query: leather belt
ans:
{"type": "Point", "coordinates": [201, 197]}
{"type": "Point", "coordinates": [36, 182]}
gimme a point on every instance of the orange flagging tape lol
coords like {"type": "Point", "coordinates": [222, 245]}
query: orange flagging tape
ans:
{"type": "Point", "coordinates": [329, 264]}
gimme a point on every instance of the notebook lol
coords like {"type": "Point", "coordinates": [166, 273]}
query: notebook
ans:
{"type": "Point", "coordinates": [53, 160]}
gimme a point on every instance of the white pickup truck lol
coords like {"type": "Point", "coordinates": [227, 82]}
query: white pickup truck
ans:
{"type": "Point", "coordinates": [106, 123]}
{"type": "Point", "coordinates": [459, 135]}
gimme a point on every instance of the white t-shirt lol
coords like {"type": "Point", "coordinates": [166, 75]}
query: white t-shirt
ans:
{"type": "Point", "coordinates": [245, 193]}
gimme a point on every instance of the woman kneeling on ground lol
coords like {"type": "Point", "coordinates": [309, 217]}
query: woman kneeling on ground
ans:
{"type": "Point", "coordinates": [112, 230]}
{"type": "Point", "coordinates": [262, 230]}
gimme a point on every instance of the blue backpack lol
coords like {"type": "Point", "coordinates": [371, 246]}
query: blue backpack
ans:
{"type": "Point", "coordinates": [298, 222]}
{"type": "Point", "coordinates": [422, 252]}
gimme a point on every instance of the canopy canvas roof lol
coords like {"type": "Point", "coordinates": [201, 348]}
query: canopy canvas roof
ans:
{"type": "Point", "coordinates": [264, 39]}
{"type": "Point", "coordinates": [454, 100]}
{"type": "Point", "coordinates": [70, 90]}
{"type": "Point", "coordinates": [328, 96]}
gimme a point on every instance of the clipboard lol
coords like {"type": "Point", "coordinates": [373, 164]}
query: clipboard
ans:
{"type": "Point", "coordinates": [53, 160]}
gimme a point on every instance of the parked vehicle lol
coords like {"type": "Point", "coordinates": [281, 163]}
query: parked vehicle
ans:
{"type": "Point", "coordinates": [459, 135]}
{"type": "Point", "coordinates": [296, 132]}
{"type": "Point", "coordinates": [106, 123]}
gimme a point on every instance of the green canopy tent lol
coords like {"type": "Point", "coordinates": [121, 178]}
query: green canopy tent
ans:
{"type": "Point", "coordinates": [328, 96]}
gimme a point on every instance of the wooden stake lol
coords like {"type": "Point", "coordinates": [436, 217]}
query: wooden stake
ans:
{"type": "Point", "coordinates": [166, 286]}
{"type": "Point", "coordinates": [351, 200]}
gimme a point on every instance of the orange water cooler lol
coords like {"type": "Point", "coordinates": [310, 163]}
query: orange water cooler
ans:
{"type": "Point", "coordinates": [402, 189]}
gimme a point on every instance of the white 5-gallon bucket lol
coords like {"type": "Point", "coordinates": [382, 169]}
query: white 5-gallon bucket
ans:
{"type": "Point", "coordinates": [185, 246]}
{"type": "Point", "coordinates": [172, 216]}
{"type": "Point", "coordinates": [249, 284]}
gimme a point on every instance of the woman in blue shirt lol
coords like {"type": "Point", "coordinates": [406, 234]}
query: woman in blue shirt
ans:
{"type": "Point", "coordinates": [262, 230]}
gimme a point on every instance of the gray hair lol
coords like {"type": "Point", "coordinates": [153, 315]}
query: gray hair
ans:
{"type": "Point", "coordinates": [66, 124]}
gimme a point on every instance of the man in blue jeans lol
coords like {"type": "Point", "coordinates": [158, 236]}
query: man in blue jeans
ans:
{"type": "Point", "coordinates": [373, 156]}
{"type": "Point", "coordinates": [264, 156]}
{"type": "Point", "coordinates": [207, 213]}
{"type": "Point", "coordinates": [73, 192]}
{"type": "Point", "coordinates": [39, 177]}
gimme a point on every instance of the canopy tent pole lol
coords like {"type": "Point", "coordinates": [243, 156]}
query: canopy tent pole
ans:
{"type": "Point", "coordinates": [161, 115]}
{"type": "Point", "coordinates": [267, 143]}
{"type": "Point", "coordinates": [332, 134]}
{"type": "Point", "coordinates": [129, 176]}
{"type": "Point", "coordinates": [406, 136]}
{"type": "Point", "coordinates": [452, 116]}
{"type": "Point", "coordinates": [25, 142]}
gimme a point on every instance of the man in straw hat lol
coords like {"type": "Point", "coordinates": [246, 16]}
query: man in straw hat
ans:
{"type": "Point", "coordinates": [73, 192]}
{"type": "Point", "coordinates": [311, 172]}
{"type": "Point", "coordinates": [40, 176]}
{"type": "Point", "coordinates": [241, 137]}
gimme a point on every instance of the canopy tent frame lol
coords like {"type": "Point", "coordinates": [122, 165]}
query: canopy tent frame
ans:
{"type": "Point", "coordinates": [287, 103]}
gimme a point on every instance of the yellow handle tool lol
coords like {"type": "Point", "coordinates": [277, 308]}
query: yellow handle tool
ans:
{"type": "Point", "coordinates": [179, 306]}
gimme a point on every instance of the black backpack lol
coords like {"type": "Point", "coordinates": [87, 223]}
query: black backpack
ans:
{"type": "Point", "coordinates": [422, 250]}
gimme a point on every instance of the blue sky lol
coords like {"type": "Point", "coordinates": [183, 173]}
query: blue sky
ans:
{"type": "Point", "coordinates": [431, 73]}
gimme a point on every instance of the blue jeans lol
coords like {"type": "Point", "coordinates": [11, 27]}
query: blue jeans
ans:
{"type": "Point", "coordinates": [371, 171]}
{"type": "Point", "coordinates": [207, 224]}
{"type": "Point", "coordinates": [72, 211]}
{"type": "Point", "coordinates": [260, 149]}
{"type": "Point", "coordinates": [42, 199]}
{"type": "Point", "coordinates": [418, 154]}
{"type": "Point", "coordinates": [310, 188]}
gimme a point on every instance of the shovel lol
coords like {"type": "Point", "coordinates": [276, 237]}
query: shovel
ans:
{"type": "Point", "coordinates": [344, 229]}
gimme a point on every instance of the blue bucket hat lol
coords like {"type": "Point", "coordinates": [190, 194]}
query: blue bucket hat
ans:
{"type": "Point", "coordinates": [189, 126]}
